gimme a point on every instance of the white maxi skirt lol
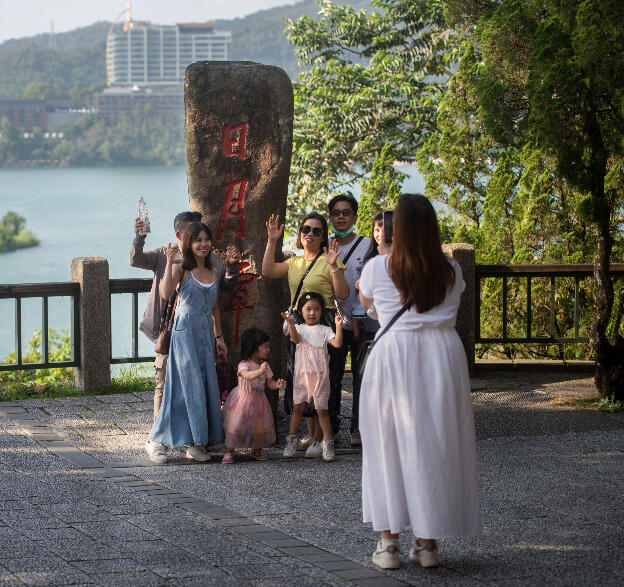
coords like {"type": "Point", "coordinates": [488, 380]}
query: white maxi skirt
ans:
{"type": "Point", "coordinates": [418, 436]}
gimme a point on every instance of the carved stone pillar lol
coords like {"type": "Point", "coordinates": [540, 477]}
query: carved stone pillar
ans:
{"type": "Point", "coordinates": [238, 147]}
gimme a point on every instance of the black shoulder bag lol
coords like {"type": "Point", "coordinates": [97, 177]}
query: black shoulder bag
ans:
{"type": "Point", "coordinates": [367, 346]}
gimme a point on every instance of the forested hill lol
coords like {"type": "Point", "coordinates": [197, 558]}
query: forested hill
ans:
{"type": "Point", "coordinates": [77, 58]}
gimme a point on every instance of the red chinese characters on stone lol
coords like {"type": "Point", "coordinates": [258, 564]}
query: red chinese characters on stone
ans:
{"type": "Point", "coordinates": [240, 297]}
{"type": "Point", "coordinates": [233, 139]}
{"type": "Point", "coordinates": [233, 207]}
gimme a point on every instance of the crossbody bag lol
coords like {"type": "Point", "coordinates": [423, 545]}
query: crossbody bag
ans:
{"type": "Point", "coordinates": [308, 269]}
{"type": "Point", "coordinates": [367, 347]}
{"type": "Point", "coordinates": [352, 249]}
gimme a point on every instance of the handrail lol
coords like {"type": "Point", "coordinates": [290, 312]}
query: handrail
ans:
{"type": "Point", "coordinates": [19, 291]}
{"type": "Point", "coordinates": [130, 285]}
{"type": "Point", "coordinates": [504, 272]}
{"type": "Point", "coordinates": [567, 270]}
{"type": "Point", "coordinates": [133, 286]}
{"type": "Point", "coordinates": [39, 290]}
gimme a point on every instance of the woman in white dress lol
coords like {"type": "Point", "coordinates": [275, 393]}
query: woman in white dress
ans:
{"type": "Point", "coordinates": [416, 419]}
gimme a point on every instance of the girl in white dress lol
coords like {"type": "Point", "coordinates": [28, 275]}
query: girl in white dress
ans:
{"type": "Point", "coordinates": [311, 377]}
{"type": "Point", "coordinates": [416, 419]}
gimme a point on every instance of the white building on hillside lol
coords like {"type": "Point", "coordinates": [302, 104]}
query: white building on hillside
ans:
{"type": "Point", "coordinates": [144, 54]}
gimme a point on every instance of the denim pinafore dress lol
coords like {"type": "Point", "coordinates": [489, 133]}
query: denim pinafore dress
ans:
{"type": "Point", "coordinates": [191, 405]}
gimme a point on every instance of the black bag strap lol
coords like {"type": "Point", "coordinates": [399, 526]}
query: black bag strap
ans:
{"type": "Point", "coordinates": [167, 318]}
{"type": "Point", "coordinates": [402, 311]}
{"type": "Point", "coordinates": [357, 242]}
{"type": "Point", "coordinates": [308, 269]}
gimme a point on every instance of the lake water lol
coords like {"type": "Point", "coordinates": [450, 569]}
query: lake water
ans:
{"type": "Point", "coordinates": [90, 212]}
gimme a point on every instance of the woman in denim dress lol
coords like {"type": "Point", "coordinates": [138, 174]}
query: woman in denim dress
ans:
{"type": "Point", "coordinates": [190, 414]}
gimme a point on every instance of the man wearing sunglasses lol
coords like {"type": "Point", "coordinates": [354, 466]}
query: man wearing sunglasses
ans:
{"type": "Point", "coordinates": [352, 248]}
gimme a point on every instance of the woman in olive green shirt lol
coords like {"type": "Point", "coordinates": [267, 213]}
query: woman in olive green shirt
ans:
{"type": "Point", "coordinates": [326, 278]}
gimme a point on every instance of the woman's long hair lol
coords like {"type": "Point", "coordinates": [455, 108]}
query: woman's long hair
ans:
{"type": "Point", "coordinates": [190, 233]}
{"type": "Point", "coordinates": [373, 250]}
{"type": "Point", "coordinates": [321, 219]}
{"type": "Point", "coordinates": [418, 267]}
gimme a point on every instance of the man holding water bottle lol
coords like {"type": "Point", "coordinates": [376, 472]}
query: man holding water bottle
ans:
{"type": "Point", "coordinates": [155, 260]}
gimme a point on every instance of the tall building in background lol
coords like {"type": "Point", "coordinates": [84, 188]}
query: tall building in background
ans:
{"type": "Point", "coordinates": [144, 54]}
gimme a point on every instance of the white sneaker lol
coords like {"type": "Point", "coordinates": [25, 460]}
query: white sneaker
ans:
{"type": "Point", "coordinates": [197, 453]}
{"type": "Point", "coordinates": [387, 554]}
{"type": "Point", "coordinates": [328, 450]}
{"type": "Point", "coordinates": [315, 450]}
{"type": "Point", "coordinates": [304, 442]}
{"type": "Point", "coordinates": [426, 556]}
{"type": "Point", "coordinates": [291, 446]}
{"type": "Point", "coordinates": [155, 452]}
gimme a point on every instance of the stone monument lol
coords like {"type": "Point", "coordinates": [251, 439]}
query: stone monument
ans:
{"type": "Point", "coordinates": [238, 148]}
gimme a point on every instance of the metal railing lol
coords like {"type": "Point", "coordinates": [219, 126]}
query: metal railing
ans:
{"type": "Point", "coordinates": [45, 291]}
{"type": "Point", "coordinates": [528, 272]}
{"type": "Point", "coordinates": [135, 287]}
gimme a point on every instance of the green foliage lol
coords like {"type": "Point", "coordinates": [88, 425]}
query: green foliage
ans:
{"type": "Point", "coordinates": [458, 156]}
{"type": "Point", "coordinates": [141, 140]}
{"type": "Point", "coordinates": [604, 404]}
{"type": "Point", "coordinates": [380, 192]}
{"type": "Point", "coordinates": [371, 81]}
{"type": "Point", "coordinates": [260, 36]}
{"type": "Point", "coordinates": [13, 235]}
{"type": "Point", "coordinates": [552, 76]}
{"type": "Point", "coordinates": [58, 382]}
{"type": "Point", "coordinates": [40, 90]}
{"type": "Point", "coordinates": [129, 380]}
{"type": "Point", "coordinates": [508, 197]}
{"type": "Point", "coordinates": [59, 349]}
{"type": "Point", "coordinates": [63, 69]}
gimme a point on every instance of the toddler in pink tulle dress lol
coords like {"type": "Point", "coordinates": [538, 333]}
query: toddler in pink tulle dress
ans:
{"type": "Point", "coordinates": [247, 415]}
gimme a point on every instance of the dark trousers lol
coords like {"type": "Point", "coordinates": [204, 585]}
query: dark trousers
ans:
{"type": "Point", "coordinates": [335, 383]}
{"type": "Point", "coordinates": [353, 345]}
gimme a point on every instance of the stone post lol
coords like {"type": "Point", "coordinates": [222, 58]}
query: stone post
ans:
{"type": "Point", "coordinates": [238, 147]}
{"type": "Point", "coordinates": [464, 254]}
{"type": "Point", "coordinates": [95, 340]}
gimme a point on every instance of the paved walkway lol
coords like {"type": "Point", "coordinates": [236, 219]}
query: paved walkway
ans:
{"type": "Point", "coordinates": [81, 504]}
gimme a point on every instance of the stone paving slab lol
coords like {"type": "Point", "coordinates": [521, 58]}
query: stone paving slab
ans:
{"type": "Point", "coordinates": [550, 478]}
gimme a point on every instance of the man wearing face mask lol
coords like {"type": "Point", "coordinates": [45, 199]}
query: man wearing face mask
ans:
{"type": "Point", "coordinates": [352, 249]}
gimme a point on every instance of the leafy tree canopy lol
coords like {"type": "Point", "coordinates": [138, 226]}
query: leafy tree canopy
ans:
{"type": "Point", "coordinates": [372, 80]}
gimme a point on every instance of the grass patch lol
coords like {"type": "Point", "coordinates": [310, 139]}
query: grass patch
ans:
{"type": "Point", "coordinates": [128, 380]}
{"type": "Point", "coordinates": [603, 404]}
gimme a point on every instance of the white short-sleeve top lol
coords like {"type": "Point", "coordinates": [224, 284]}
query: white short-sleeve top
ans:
{"type": "Point", "coordinates": [376, 283]}
{"type": "Point", "coordinates": [317, 335]}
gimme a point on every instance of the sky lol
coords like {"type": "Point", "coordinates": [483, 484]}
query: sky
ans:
{"type": "Point", "coordinates": [23, 18]}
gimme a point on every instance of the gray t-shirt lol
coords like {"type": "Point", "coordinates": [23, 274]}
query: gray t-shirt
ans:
{"type": "Point", "coordinates": [355, 263]}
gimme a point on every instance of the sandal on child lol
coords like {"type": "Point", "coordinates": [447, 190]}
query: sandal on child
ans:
{"type": "Point", "coordinates": [228, 458]}
{"type": "Point", "coordinates": [259, 454]}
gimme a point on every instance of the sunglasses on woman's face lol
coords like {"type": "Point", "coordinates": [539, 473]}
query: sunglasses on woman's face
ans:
{"type": "Point", "coordinates": [315, 230]}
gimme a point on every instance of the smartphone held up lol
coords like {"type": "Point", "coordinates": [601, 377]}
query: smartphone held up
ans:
{"type": "Point", "coordinates": [387, 226]}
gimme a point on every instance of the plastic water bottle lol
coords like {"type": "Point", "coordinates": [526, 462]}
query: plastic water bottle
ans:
{"type": "Point", "coordinates": [143, 216]}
